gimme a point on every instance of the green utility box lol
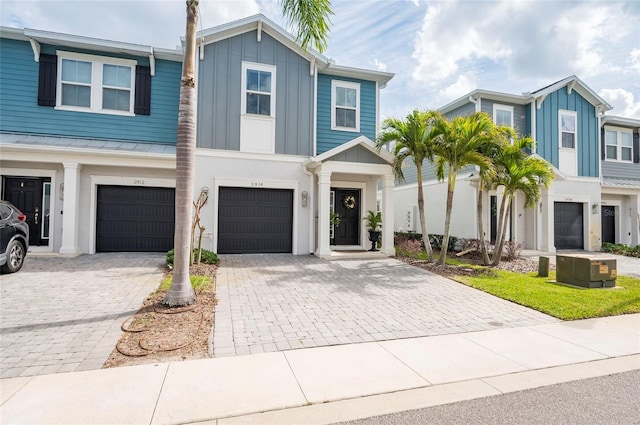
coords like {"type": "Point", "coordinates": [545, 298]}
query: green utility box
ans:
{"type": "Point", "coordinates": [586, 271]}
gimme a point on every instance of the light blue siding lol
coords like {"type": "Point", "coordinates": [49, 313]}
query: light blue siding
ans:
{"type": "Point", "coordinates": [19, 110]}
{"type": "Point", "coordinates": [547, 133]}
{"type": "Point", "coordinates": [329, 139]}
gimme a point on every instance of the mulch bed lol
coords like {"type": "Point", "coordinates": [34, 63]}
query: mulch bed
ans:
{"type": "Point", "coordinates": [157, 333]}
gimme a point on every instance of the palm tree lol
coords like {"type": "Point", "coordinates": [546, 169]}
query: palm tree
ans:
{"type": "Point", "coordinates": [459, 143]}
{"type": "Point", "coordinates": [517, 171]}
{"type": "Point", "coordinates": [412, 139]}
{"type": "Point", "coordinates": [311, 21]}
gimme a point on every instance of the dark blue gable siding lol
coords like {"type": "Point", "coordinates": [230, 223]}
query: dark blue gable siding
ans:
{"type": "Point", "coordinates": [547, 133]}
{"type": "Point", "coordinates": [19, 111]}
{"type": "Point", "coordinates": [329, 139]}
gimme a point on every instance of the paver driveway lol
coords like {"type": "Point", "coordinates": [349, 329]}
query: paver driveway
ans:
{"type": "Point", "coordinates": [281, 302]}
{"type": "Point", "coordinates": [64, 314]}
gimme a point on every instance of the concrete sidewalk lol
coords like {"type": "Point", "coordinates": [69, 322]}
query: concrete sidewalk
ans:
{"type": "Point", "coordinates": [329, 384]}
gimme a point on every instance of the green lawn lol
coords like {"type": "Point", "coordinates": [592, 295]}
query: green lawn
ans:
{"type": "Point", "coordinates": [199, 283]}
{"type": "Point", "coordinates": [561, 301]}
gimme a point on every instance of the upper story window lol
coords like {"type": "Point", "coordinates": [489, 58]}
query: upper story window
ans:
{"type": "Point", "coordinates": [95, 84]}
{"type": "Point", "coordinates": [258, 89]}
{"type": "Point", "coordinates": [618, 144]}
{"type": "Point", "coordinates": [345, 106]}
{"type": "Point", "coordinates": [568, 124]}
{"type": "Point", "coordinates": [503, 115]}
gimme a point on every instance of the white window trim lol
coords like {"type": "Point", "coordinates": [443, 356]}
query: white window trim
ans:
{"type": "Point", "coordinates": [348, 85]}
{"type": "Point", "coordinates": [618, 145]}
{"type": "Point", "coordinates": [96, 82]}
{"type": "Point", "coordinates": [498, 107]}
{"type": "Point", "coordinates": [574, 114]}
{"type": "Point", "coordinates": [243, 101]}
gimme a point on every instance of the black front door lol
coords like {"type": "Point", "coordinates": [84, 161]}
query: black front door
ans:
{"type": "Point", "coordinates": [608, 224]}
{"type": "Point", "coordinates": [26, 194]}
{"type": "Point", "coordinates": [347, 207]}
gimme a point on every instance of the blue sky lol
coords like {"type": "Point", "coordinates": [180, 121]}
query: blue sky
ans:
{"type": "Point", "coordinates": [438, 50]}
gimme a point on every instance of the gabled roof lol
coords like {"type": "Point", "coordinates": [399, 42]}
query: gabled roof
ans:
{"type": "Point", "coordinates": [261, 23]}
{"type": "Point", "coordinates": [573, 82]}
{"type": "Point", "coordinates": [361, 141]}
{"type": "Point", "coordinates": [36, 37]}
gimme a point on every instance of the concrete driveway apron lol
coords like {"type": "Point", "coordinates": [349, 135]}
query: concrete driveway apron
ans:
{"type": "Point", "coordinates": [64, 314]}
{"type": "Point", "coordinates": [281, 302]}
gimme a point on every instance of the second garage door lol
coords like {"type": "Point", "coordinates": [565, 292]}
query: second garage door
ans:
{"type": "Point", "coordinates": [255, 220]}
{"type": "Point", "coordinates": [568, 225]}
{"type": "Point", "coordinates": [135, 218]}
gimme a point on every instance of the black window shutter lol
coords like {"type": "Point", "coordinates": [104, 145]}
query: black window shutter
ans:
{"type": "Point", "coordinates": [48, 80]}
{"type": "Point", "coordinates": [636, 147]}
{"type": "Point", "coordinates": [603, 152]}
{"type": "Point", "coordinates": [142, 103]}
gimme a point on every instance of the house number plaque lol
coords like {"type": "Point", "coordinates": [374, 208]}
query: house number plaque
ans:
{"type": "Point", "coordinates": [257, 184]}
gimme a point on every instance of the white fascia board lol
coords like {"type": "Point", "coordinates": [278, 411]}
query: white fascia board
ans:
{"type": "Point", "coordinates": [620, 121]}
{"type": "Point", "coordinates": [13, 33]}
{"type": "Point", "coordinates": [360, 140]}
{"type": "Point", "coordinates": [81, 42]}
{"type": "Point", "coordinates": [232, 29]}
{"type": "Point", "coordinates": [578, 85]}
{"type": "Point", "coordinates": [485, 94]}
{"type": "Point", "coordinates": [559, 174]}
{"type": "Point", "coordinates": [358, 73]}
{"type": "Point", "coordinates": [87, 156]}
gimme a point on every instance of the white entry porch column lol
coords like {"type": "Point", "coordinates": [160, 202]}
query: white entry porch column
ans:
{"type": "Point", "coordinates": [387, 215]}
{"type": "Point", "coordinates": [70, 208]}
{"type": "Point", "coordinates": [324, 189]}
{"type": "Point", "coordinates": [547, 240]}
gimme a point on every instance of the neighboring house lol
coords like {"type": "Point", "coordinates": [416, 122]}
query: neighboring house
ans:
{"type": "Point", "coordinates": [565, 120]}
{"type": "Point", "coordinates": [284, 137]}
{"type": "Point", "coordinates": [87, 140]}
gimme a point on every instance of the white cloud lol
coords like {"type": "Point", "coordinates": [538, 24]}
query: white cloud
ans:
{"type": "Point", "coordinates": [634, 63]}
{"type": "Point", "coordinates": [380, 66]}
{"type": "Point", "coordinates": [623, 102]}
{"type": "Point", "coordinates": [463, 85]}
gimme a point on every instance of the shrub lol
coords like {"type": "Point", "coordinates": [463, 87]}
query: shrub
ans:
{"type": "Point", "coordinates": [436, 240]}
{"type": "Point", "coordinates": [208, 257]}
{"type": "Point", "coordinates": [511, 250]}
{"type": "Point", "coordinates": [621, 249]}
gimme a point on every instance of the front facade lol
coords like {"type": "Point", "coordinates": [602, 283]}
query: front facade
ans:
{"type": "Point", "coordinates": [284, 137]}
{"type": "Point", "coordinates": [567, 122]}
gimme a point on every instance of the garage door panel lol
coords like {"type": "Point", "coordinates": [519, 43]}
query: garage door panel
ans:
{"type": "Point", "coordinates": [255, 220]}
{"type": "Point", "coordinates": [135, 219]}
{"type": "Point", "coordinates": [568, 225]}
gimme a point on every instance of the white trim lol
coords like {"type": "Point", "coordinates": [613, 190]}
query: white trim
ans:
{"type": "Point", "coordinates": [314, 120]}
{"type": "Point", "coordinates": [261, 184]}
{"type": "Point", "coordinates": [335, 84]}
{"type": "Point", "coordinates": [96, 85]}
{"type": "Point", "coordinates": [377, 129]}
{"type": "Point", "coordinates": [573, 114]}
{"type": "Point", "coordinates": [500, 107]}
{"type": "Point", "coordinates": [29, 172]}
{"type": "Point", "coordinates": [219, 153]}
{"type": "Point", "coordinates": [246, 66]}
{"type": "Point", "coordinates": [35, 46]}
{"type": "Point", "coordinates": [618, 145]}
{"type": "Point", "coordinates": [360, 140]}
{"type": "Point", "coordinates": [533, 128]}
{"type": "Point", "coordinates": [99, 180]}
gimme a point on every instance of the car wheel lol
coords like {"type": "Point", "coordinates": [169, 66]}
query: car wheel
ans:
{"type": "Point", "coordinates": [15, 257]}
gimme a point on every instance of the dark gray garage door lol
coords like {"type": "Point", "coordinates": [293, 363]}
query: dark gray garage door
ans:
{"type": "Point", "coordinates": [254, 220]}
{"type": "Point", "coordinates": [568, 225]}
{"type": "Point", "coordinates": [135, 219]}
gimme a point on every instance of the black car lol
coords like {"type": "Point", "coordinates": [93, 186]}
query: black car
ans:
{"type": "Point", "coordinates": [14, 237]}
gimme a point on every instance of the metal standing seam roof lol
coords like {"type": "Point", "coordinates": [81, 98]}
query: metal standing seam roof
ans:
{"type": "Point", "coordinates": [86, 143]}
{"type": "Point", "coordinates": [622, 183]}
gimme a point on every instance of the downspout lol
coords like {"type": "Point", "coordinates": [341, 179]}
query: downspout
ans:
{"type": "Point", "coordinates": [475, 102]}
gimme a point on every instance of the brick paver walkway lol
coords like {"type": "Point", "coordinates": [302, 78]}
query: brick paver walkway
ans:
{"type": "Point", "coordinates": [281, 302]}
{"type": "Point", "coordinates": [64, 314]}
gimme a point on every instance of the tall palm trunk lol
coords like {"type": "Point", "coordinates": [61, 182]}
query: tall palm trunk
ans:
{"type": "Point", "coordinates": [423, 221]}
{"type": "Point", "coordinates": [505, 207]}
{"type": "Point", "coordinates": [481, 239]}
{"type": "Point", "coordinates": [181, 292]}
{"type": "Point", "coordinates": [451, 186]}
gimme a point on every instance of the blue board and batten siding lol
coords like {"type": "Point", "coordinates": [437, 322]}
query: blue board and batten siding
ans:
{"type": "Point", "coordinates": [19, 110]}
{"type": "Point", "coordinates": [220, 93]}
{"type": "Point", "coordinates": [547, 133]}
{"type": "Point", "coordinates": [328, 138]}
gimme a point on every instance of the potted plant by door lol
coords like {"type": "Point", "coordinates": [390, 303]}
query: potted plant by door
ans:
{"type": "Point", "coordinates": [374, 223]}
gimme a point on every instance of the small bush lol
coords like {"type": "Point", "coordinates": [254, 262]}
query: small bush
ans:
{"type": "Point", "coordinates": [208, 257]}
{"type": "Point", "coordinates": [436, 240]}
{"type": "Point", "coordinates": [511, 250]}
{"type": "Point", "coordinates": [621, 249]}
